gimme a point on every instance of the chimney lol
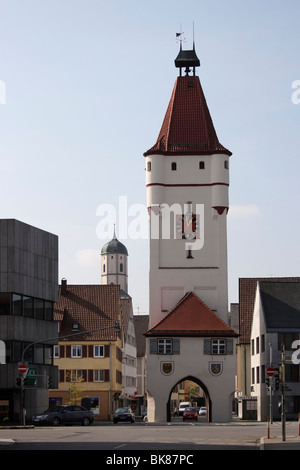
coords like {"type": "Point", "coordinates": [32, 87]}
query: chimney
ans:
{"type": "Point", "coordinates": [64, 287]}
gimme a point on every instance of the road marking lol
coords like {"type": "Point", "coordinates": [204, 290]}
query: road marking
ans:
{"type": "Point", "coordinates": [122, 445]}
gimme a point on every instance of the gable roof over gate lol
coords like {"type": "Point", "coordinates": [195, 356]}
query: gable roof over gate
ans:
{"type": "Point", "coordinates": [191, 317]}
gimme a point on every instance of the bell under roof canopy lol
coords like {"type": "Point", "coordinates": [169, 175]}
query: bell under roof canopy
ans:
{"type": "Point", "coordinates": [187, 128]}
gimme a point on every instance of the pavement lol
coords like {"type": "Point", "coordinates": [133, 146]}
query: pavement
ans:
{"type": "Point", "coordinates": [276, 443]}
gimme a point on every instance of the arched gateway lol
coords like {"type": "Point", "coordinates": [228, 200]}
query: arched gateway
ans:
{"type": "Point", "coordinates": [208, 403]}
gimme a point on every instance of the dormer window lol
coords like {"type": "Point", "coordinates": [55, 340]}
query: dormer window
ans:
{"type": "Point", "coordinates": [75, 326]}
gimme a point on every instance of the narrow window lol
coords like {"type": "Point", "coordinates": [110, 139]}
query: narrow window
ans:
{"type": "Point", "coordinates": [148, 166]}
{"type": "Point", "coordinates": [174, 166]}
{"type": "Point", "coordinates": [201, 165]}
{"type": "Point", "coordinates": [98, 350]}
{"type": "Point", "coordinates": [226, 164]}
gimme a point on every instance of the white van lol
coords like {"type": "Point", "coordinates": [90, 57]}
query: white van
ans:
{"type": "Point", "coordinates": [182, 406]}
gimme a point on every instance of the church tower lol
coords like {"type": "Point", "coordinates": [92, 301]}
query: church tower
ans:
{"type": "Point", "coordinates": [114, 264]}
{"type": "Point", "coordinates": [187, 179]}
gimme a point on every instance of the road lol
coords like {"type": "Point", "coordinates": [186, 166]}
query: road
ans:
{"type": "Point", "coordinates": [114, 438]}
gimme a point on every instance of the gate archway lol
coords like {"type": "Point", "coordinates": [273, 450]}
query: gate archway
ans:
{"type": "Point", "coordinates": [208, 402]}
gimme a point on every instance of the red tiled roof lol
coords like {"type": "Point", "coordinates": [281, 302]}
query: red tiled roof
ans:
{"type": "Point", "coordinates": [187, 127]}
{"type": "Point", "coordinates": [92, 307]}
{"type": "Point", "coordinates": [191, 317]}
{"type": "Point", "coordinates": [247, 292]}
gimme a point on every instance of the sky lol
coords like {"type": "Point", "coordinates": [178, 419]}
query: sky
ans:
{"type": "Point", "coordinates": [84, 86]}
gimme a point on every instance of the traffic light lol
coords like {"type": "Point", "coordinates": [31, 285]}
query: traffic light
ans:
{"type": "Point", "coordinates": [19, 382]}
{"type": "Point", "coordinates": [117, 326]}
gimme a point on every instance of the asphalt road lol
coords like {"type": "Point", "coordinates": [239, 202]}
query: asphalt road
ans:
{"type": "Point", "coordinates": [174, 437]}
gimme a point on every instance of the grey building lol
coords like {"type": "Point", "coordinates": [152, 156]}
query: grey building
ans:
{"type": "Point", "coordinates": [28, 290]}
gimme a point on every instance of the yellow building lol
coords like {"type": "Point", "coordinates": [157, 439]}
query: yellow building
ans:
{"type": "Point", "coordinates": [89, 354]}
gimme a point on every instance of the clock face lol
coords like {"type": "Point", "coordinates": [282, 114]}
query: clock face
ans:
{"type": "Point", "coordinates": [187, 226]}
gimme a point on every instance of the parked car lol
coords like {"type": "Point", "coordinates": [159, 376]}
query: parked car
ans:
{"type": "Point", "coordinates": [202, 411]}
{"type": "Point", "coordinates": [190, 414]}
{"type": "Point", "coordinates": [64, 414]}
{"type": "Point", "coordinates": [124, 414]}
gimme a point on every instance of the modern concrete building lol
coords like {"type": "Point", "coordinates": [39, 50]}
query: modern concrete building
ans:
{"type": "Point", "coordinates": [28, 290]}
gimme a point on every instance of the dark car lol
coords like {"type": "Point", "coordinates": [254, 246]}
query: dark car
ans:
{"type": "Point", "coordinates": [124, 414]}
{"type": "Point", "coordinates": [190, 413]}
{"type": "Point", "coordinates": [64, 414]}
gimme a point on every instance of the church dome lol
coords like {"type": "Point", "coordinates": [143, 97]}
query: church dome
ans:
{"type": "Point", "coordinates": [114, 246]}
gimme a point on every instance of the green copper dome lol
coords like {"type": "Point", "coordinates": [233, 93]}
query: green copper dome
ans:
{"type": "Point", "coordinates": [114, 246]}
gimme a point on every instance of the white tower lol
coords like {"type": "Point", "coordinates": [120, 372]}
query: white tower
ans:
{"type": "Point", "coordinates": [114, 264]}
{"type": "Point", "coordinates": [187, 179]}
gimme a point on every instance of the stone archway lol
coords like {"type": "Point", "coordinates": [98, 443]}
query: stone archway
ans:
{"type": "Point", "coordinates": [208, 401]}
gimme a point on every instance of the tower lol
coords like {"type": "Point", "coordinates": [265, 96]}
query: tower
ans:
{"type": "Point", "coordinates": [187, 179]}
{"type": "Point", "coordinates": [114, 265]}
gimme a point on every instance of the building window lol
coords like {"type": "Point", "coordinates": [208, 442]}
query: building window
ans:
{"type": "Point", "coordinates": [148, 166]}
{"type": "Point", "coordinates": [164, 346]}
{"type": "Point", "coordinates": [218, 346]}
{"type": "Point", "coordinates": [252, 347]}
{"type": "Point", "coordinates": [76, 376]}
{"type": "Point", "coordinates": [201, 165]}
{"type": "Point", "coordinates": [99, 375]}
{"type": "Point", "coordinates": [174, 166]}
{"type": "Point", "coordinates": [226, 165]}
{"type": "Point", "coordinates": [103, 268]}
{"type": "Point", "coordinates": [121, 267]}
{"type": "Point", "coordinates": [56, 351]}
{"type": "Point", "coordinates": [98, 350]}
{"type": "Point", "coordinates": [76, 351]}
{"type": "Point", "coordinates": [262, 340]}
{"type": "Point", "coordinates": [257, 345]}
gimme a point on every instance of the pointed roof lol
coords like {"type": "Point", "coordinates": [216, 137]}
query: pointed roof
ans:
{"type": "Point", "coordinates": [187, 126]}
{"type": "Point", "coordinates": [191, 317]}
{"type": "Point", "coordinates": [281, 305]}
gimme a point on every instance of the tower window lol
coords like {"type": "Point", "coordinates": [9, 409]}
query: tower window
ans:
{"type": "Point", "coordinates": [174, 166]}
{"type": "Point", "coordinates": [201, 165]}
{"type": "Point", "coordinates": [226, 164]}
{"type": "Point", "coordinates": [148, 166]}
{"type": "Point", "coordinates": [104, 268]}
{"type": "Point", "coordinates": [121, 267]}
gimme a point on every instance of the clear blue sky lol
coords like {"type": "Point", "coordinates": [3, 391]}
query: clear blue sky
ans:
{"type": "Point", "coordinates": [87, 84]}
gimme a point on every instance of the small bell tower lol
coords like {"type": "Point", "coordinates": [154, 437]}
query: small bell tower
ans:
{"type": "Point", "coordinates": [114, 263]}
